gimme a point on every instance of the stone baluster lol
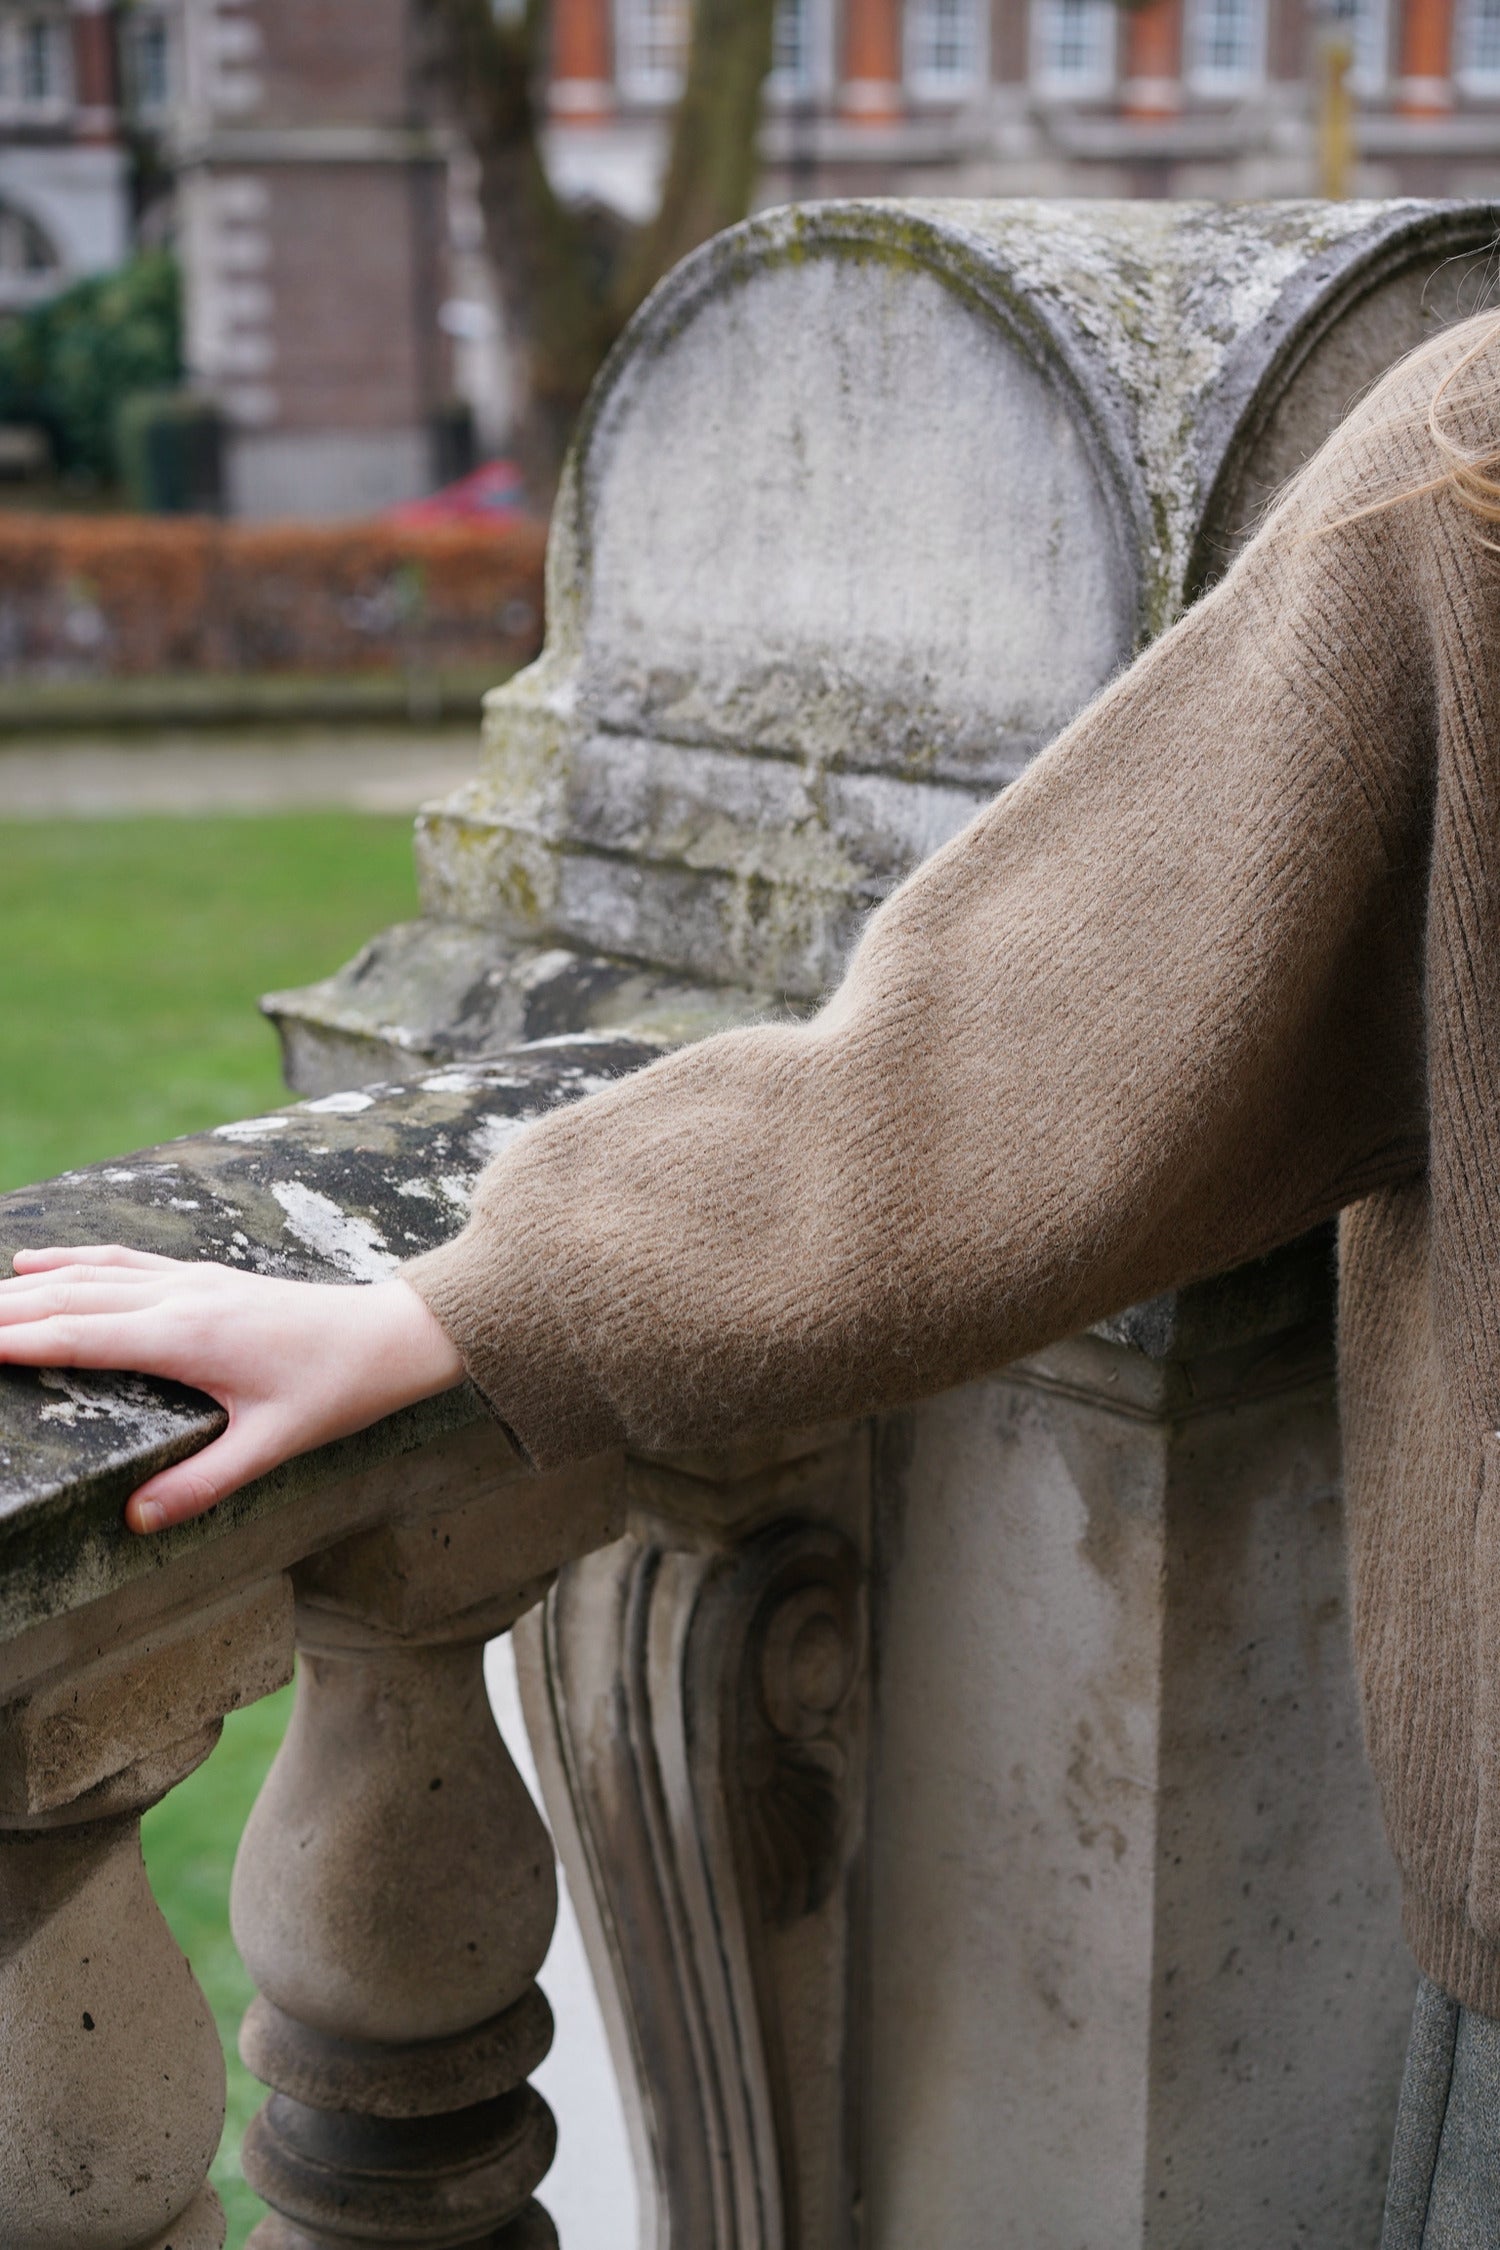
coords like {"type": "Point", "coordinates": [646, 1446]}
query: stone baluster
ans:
{"type": "Point", "coordinates": [395, 1894]}
{"type": "Point", "coordinates": [112, 2091]}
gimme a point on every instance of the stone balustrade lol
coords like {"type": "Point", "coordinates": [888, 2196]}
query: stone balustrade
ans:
{"type": "Point", "coordinates": [394, 1894]}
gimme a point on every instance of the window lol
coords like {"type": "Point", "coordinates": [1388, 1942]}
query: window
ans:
{"type": "Point", "coordinates": [796, 59]}
{"type": "Point", "coordinates": [1073, 48]}
{"type": "Point", "coordinates": [1479, 47]}
{"type": "Point", "coordinates": [1365, 24]}
{"type": "Point", "coordinates": [33, 62]}
{"type": "Point", "coordinates": [1226, 46]}
{"type": "Point", "coordinates": [651, 43]}
{"type": "Point", "coordinates": [26, 255]}
{"type": "Point", "coordinates": [41, 73]}
{"type": "Point", "coordinates": [149, 63]}
{"type": "Point", "coordinates": [942, 46]}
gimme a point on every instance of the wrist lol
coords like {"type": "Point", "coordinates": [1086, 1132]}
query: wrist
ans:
{"type": "Point", "coordinates": [420, 1353]}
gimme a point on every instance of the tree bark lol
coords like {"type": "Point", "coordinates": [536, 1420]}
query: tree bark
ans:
{"type": "Point", "coordinates": [568, 278]}
{"type": "Point", "coordinates": [712, 164]}
{"type": "Point", "coordinates": [552, 273]}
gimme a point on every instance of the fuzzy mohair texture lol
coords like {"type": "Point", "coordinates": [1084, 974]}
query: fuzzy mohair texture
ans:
{"type": "Point", "coordinates": [1225, 961]}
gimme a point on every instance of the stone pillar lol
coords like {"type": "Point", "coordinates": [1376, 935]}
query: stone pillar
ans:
{"type": "Point", "coordinates": [581, 90]}
{"type": "Point", "coordinates": [1152, 74]}
{"type": "Point", "coordinates": [1137, 1914]}
{"type": "Point", "coordinates": [1425, 83]}
{"type": "Point", "coordinates": [394, 1894]}
{"type": "Point", "coordinates": [1121, 1934]}
{"type": "Point", "coordinates": [870, 92]}
{"type": "Point", "coordinates": [112, 2093]}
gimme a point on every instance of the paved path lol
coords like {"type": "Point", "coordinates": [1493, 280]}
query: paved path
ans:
{"type": "Point", "coordinates": [370, 769]}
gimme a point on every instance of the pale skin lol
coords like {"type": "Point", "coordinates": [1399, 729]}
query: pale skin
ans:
{"type": "Point", "coordinates": [294, 1364]}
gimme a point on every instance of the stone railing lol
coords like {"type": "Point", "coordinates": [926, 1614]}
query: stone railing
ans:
{"type": "Point", "coordinates": [394, 1893]}
{"type": "Point", "coordinates": [963, 1811]}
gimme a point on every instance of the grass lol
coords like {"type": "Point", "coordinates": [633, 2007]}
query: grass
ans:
{"type": "Point", "coordinates": [135, 952]}
{"type": "Point", "coordinates": [190, 1840]}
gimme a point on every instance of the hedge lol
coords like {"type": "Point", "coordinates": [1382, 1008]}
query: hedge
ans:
{"type": "Point", "coordinates": [98, 596]}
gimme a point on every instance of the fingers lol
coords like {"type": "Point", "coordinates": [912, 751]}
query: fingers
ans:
{"type": "Point", "coordinates": [52, 1296]}
{"type": "Point", "coordinates": [94, 1254]}
{"type": "Point", "coordinates": [140, 1340]}
{"type": "Point", "coordinates": [190, 1488]}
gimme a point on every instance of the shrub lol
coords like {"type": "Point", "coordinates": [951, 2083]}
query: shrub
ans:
{"type": "Point", "coordinates": [122, 595]}
{"type": "Point", "coordinates": [69, 364]}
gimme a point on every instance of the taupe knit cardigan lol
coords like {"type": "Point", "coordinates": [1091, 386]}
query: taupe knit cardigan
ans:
{"type": "Point", "coordinates": [1225, 961]}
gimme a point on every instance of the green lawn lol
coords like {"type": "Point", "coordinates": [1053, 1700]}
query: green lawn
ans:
{"type": "Point", "coordinates": [135, 951]}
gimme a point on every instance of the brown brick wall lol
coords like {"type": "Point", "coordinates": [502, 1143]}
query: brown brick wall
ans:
{"type": "Point", "coordinates": [356, 272]}
{"type": "Point", "coordinates": [336, 61]}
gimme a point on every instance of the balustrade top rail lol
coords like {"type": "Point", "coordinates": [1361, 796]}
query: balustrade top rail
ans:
{"type": "Point", "coordinates": [341, 1190]}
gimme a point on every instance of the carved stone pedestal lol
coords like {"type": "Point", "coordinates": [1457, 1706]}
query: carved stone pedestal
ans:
{"type": "Point", "coordinates": [697, 1697]}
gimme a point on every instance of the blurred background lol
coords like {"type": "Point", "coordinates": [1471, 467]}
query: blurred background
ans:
{"type": "Point", "coordinates": [299, 300]}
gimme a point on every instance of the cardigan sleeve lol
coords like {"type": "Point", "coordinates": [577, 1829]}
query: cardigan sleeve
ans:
{"type": "Point", "coordinates": [1156, 1010]}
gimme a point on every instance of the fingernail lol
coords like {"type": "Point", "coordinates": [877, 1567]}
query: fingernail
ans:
{"type": "Point", "coordinates": [150, 1515]}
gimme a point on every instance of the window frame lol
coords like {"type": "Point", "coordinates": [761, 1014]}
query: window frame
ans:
{"type": "Point", "coordinates": [17, 26]}
{"type": "Point", "coordinates": [1051, 85]}
{"type": "Point", "coordinates": [1483, 84]}
{"type": "Point", "coordinates": [783, 90]}
{"type": "Point", "coordinates": [1207, 81]}
{"type": "Point", "coordinates": [924, 84]}
{"type": "Point", "coordinates": [651, 85]}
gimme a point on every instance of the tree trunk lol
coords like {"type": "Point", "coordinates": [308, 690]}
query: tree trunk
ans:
{"type": "Point", "coordinates": [568, 279]}
{"type": "Point", "coordinates": [711, 168]}
{"type": "Point", "coordinates": [552, 276]}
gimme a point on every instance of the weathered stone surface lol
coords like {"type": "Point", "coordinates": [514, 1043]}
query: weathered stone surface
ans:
{"type": "Point", "coordinates": [82, 1725]}
{"type": "Point", "coordinates": [112, 2090]}
{"type": "Point", "coordinates": [426, 992]}
{"type": "Point", "coordinates": [335, 1191]}
{"type": "Point", "coordinates": [874, 498]}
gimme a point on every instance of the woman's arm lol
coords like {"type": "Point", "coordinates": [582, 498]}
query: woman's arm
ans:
{"type": "Point", "coordinates": [1156, 1010]}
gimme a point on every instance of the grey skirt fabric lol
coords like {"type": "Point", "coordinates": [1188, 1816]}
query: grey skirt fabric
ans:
{"type": "Point", "coordinates": [1444, 2191]}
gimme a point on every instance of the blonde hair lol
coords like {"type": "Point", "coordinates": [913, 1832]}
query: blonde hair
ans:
{"type": "Point", "coordinates": [1474, 477]}
{"type": "Point", "coordinates": [1398, 403]}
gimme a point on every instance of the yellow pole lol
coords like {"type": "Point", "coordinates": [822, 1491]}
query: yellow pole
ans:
{"type": "Point", "coordinates": [1335, 115]}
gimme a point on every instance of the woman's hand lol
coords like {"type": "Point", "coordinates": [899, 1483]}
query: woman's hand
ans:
{"type": "Point", "coordinates": [293, 1363]}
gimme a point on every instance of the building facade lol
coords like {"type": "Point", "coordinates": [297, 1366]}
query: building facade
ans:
{"type": "Point", "coordinates": [64, 176]}
{"type": "Point", "coordinates": [338, 303]}
{"type": "Point", "coordinates": [1054, 97]}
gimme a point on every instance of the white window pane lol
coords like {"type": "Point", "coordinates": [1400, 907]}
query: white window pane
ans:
{"type": "Point", "coordinates": [1480, 41]}
{"type": "Point", "coordinates": [942, 43]}
{"type": "Point", "coordinates": [651, 37]}
{"type": "Point", "coordinates": [40, 59]}
{"type": "Point", "coordinates": [791, 44]}
{"type": "Point", "coordinates": [1073, 46]}
{"type": "Point", "coordinates": [1226, 44]}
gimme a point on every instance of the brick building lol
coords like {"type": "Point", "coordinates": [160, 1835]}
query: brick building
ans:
{"type": "Point", "coordinates": [64, 205]}
{"type": "Point", "coordinates": [313, 214]}
{"type": "Point", "coordinates": [1054, 97]}
{"type": "Point", "coordinates": [337, 297]}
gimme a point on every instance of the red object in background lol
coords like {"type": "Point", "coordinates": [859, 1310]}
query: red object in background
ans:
{"type": "Point", "coordinates": [492, 493]}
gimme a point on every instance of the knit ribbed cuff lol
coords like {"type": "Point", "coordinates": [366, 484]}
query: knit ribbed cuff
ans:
{"type": "Point", "coordinates": [516, 1348]}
